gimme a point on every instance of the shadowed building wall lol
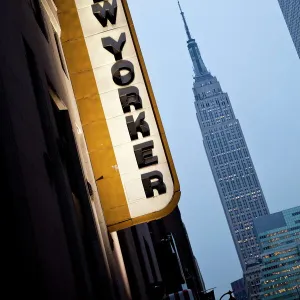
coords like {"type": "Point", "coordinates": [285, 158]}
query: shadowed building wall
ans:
{"type": "Point", "coordinates": [53, 247]}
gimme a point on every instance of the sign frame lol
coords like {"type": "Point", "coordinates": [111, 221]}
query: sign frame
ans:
{"type": "Point", "coordinates": [72, 33]}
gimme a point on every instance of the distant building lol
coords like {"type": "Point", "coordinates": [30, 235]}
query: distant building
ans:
{"type": "Point", "coordinates": [238, 288]}
{"type": "Point", "coordinates": [279, 239]}
{"type": "Point", "coordinates": [252, 279]}
{"type": "Point", "coordinates": [291, 13]}
{"type": "Point", "coordinates": [234, 173]}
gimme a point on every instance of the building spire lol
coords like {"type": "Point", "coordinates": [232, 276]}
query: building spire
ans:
{"type": "Point", "coordinates": [199, 66]}
{"type": "Point", "coordinates": [185, 23]}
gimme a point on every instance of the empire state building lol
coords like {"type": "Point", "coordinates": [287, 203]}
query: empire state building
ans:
{"type": "Point", "coordinates": [239, 189]}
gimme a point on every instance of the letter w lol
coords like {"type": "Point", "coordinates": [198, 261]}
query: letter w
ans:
{"type": "Point", "coordinates": [105, 12]}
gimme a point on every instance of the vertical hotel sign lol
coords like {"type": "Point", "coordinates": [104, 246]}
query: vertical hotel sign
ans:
{"type": "Point", "coordinates": [133, 167]}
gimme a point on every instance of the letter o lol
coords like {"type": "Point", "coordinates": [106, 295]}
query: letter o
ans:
{"type": "Point", "coordinates": [116, 72]}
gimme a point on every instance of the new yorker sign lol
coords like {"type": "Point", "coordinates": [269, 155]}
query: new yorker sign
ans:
{"type": "Point", "coordinates": [123, 74]}
{"type": "Point", "coordinates": [148, 180]}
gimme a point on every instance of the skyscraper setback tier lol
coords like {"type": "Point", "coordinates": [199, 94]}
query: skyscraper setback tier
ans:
{"type": "Point", "coordinates": [230, 161]}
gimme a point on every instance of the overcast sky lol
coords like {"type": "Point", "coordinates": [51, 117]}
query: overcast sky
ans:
{"type": "Point", "coordinates": [246, 44]}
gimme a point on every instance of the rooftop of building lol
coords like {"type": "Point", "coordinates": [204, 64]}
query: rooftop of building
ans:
{"type": "Point", "coordinates": [275, 221]}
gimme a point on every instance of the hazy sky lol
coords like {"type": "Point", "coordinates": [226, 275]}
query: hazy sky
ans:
{"type": "Point", "coordinates": [246, 44]}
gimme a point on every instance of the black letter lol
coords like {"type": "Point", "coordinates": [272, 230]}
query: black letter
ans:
{"type": "Point", "coordinates": [130, 96]}
{"type": "Point", "coordinates": [119, 66]}
{"type": "Point", "coordinates": [140, 125]}
{"type": "Point", "coordinates": [107, 12]}
{"type": "Point", "coordinates": [149, 185]}
{"type": "Point", "coordinates": [114, 47]}
{"type": "Point", "coordinates": [143, 154]}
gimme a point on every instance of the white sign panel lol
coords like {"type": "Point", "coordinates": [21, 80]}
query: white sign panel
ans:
{"type": "Point", "coordinates": [139, 151]}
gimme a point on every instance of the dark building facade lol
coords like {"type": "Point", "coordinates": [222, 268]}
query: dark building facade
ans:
{"type": "Point", "coordinates": [238, 288]}
{"type": "Point", "coordinates": [52, 244]}
{"type": "Point", "coordinates": [141, 263]}
{"type": "Point", "coordinates": [159, 259]}
{"type": "Point", "coordinates": [169, 235]}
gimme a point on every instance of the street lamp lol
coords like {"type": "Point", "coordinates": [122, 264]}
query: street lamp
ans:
{"type": "Point", "coordinates": [230, 295]}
